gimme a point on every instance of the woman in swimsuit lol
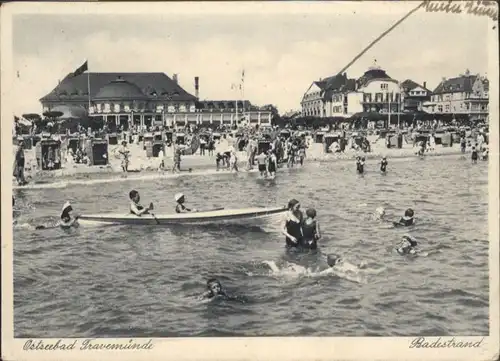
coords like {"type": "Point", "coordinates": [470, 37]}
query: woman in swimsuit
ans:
{"type": "Point", "coordinates": [292, 225]}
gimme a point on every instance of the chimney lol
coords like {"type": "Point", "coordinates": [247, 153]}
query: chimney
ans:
{"type": "Point", "coordinates": [197, 87]}
{"type": "Point", "coordinates": [425, 84]}
{"type": "Point", "coordinates": [175, 79]}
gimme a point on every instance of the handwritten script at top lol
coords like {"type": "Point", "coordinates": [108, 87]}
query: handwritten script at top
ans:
{"type": "Point", "coordinates": [478, 7]}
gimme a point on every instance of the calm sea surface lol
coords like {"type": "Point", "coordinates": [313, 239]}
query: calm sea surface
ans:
{"type": "Point", "coordinates": [145, 281]}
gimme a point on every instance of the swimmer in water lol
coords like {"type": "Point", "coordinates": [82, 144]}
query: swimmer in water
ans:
{"type": "Point", "coordinates": [380, 213]}
{"type": "Point", "coordinates": [407, 246]}
{"type": "Point", "coordinates": [406, 220]}
{"type": "Point", "coordinates": [67, 219]}
{"type": "Point", "coordinates": [291, 226]}
{"type": "Point", "coordinates": [383, 165]}
{"type": "Point", "coordinates": [135, 207]}
{"type": "Point", "coordinates": [337, 262]}
{"type": "Point", "coordinates": [215, 290]}
{"type": "Point", "coordinates": [180, 207]}
{"type": "Point", "coordinates": [310, 230]}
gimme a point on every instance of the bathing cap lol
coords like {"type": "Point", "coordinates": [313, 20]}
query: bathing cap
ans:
{"type": "Point", "coordinates": [332, 259]}
{"type": "Point", "coordinates": [178, 196]}
{"type": "Point", "coordinates": [409, 212]}
{"type": "Point", "coordinates": [409, 238]}
{"type": "Point", "coordinates": [66, 206]}
{"type": "Point", "coordinates": [380, 210]}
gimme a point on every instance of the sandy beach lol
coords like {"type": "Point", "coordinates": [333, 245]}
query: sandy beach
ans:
{"type": "Point", "coordinates": [141, 166]}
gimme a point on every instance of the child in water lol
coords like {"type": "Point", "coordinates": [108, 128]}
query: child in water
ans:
{"type": "Point", "coordinates": [310, 230]}
{"type": "Point", "coordinates": [215, 289]}
{"type": "Point", "coordinates": [383, 165]}
{"type": "Point", "coordinates": [261, 161]}
{"type": "Point", "coordinates": [406, 220]}
{"type": "Point", "coordinates": [474, 155]}
{"type": "Point", "coordinates": [407, 246]}
{"type": "Point", "coordinates": [360, 164]}
{"type": "Point", "coordinates": [135, 207]}
{"type": "Point", "coordinates": [67, 220]}
{"type": "Point", "coordinates": [219, 158]}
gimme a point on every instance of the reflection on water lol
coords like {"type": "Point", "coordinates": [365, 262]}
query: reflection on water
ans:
{"type": "Point", "coordinates": [144, 281]}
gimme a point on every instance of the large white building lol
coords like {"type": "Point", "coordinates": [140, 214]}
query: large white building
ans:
{"type": "Point", "coordinates": [339, 96]}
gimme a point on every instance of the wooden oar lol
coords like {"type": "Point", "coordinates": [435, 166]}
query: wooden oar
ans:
{"type": "Point", "coordinates": [151, 207]}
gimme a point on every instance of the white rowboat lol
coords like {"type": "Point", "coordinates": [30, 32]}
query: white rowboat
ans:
{"type": "Point", "coordinates": [246, 216]}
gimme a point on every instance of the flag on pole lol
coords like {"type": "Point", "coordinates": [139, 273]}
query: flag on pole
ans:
{"type": "Point", "coordinates": [82, 69]}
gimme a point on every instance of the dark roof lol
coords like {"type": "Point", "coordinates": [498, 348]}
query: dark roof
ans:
{"type": "Point", "coordinates": [337, 83]}
{"type": "Point", "coordinates": [120, 89]}
{"type": "Point", "coordinates": [409, 85]}
{"type": "Point", "coordinates": [75, 88]}
{"type": "Point", "coordinates": [372, 74]}
{"type": "Point", "coordinates": [459, 84]}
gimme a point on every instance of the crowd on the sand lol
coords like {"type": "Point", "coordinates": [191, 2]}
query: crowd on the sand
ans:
{"type": "Point", "coordinates": [266, 148]}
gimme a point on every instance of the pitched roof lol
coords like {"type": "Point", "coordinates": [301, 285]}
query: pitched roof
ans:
{"type": "Point", "coordinates": [76, 88]}
{"type": "Point", "coordinates": [459, 84]}
{"type": "Point", "coordinates": [337, 83]}
{"type": "Point", "coordinates": [409, 85]}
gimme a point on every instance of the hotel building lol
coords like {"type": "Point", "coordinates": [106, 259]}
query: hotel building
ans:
{"type": "Point", "coordinates": [146, 99]}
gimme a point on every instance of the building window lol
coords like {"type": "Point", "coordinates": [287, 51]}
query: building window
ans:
{"type": "Point", "coordinates": [384, 86]}
{"type": "Point", "coordinates": [447, 107]}
{"type": "Point", "coordinates": [440, 108]}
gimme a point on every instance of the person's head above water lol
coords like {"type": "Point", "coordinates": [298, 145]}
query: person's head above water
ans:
{"type": "Point", "coordinates": [124, 143]}
{"type": "Point", "coordinates": [409, 213]}
{"type": "Point", "coordinates": [66, 209]}
{"type": "Point", "coordinates": [332, 259]}
{"type": "Point", "coordinates": [410, 240]}
{"type": "Point", "coordinates": [134, 196]}
{"type": "Point", "coordinates": [293, 205]}
{"type": "Point", "coordinates": [179, 198]}
{"type": "Point", "coordinates": [214, 286]}
{"type": "Point", "coordinates": [311, 213]}
{"type": "Point", "coordinates": [380, 212]}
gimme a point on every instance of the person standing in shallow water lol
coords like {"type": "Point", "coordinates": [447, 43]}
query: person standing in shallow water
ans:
{"type": "Point", "coordinates": [310, 230]}
{"type": "Point", "coordinates": [291, 226]}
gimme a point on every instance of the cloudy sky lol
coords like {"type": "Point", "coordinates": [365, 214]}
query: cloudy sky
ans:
{"type": "Point", "coordinates": [281, 46]}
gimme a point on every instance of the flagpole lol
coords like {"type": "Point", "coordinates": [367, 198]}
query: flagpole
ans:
{"type": "Point", "coordinates": [88, 87]}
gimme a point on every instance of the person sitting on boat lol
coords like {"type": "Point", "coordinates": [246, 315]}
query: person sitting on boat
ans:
{"type": "Point", "coordinates": [406, 220]}
{"type": "Point", "coordinates": [310, 230]}
{"type": "Point", "coordinates": [292, 225]}
{"type": "Point", "coordinates": [67, 219]}
{"type": "Point", "coordinates": [135, 207]}
{"type": "Point", "coordinates": [407, 246]}
{"type": "Point", "coordinates": [180, 207]}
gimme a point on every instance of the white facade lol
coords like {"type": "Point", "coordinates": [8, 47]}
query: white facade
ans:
{"type": "Point", "coordinates": [312, 102]}
{"type": "Point", "coordinates": [381, 95]}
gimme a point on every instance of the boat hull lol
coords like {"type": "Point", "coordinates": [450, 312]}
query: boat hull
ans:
{"type": "Point", "coordinates": [249, 216]}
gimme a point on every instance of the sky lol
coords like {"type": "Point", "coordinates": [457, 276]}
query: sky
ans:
{"type": "Point", "coordinates": [283, 47]}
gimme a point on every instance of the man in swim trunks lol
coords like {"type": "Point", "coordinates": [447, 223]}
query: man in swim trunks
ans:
{"type": "Point", "coordinates": [261, 161]}
{"type": "Point", "coordinates": [383, 165]}
{"type": "Point", "coordinates": [135, 207]}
